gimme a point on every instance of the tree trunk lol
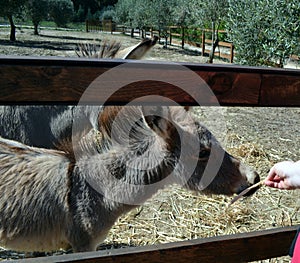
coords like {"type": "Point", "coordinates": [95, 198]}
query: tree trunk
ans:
{"type": "Point", "coordinates": [166, 41]}
{"type": "Point", "coordinates": [12, 28]}
{"type": "Point", "coordinates": [212, 51]}
{"type": "Point", "coordinates": [213, 32]}
{"type": "Point", "coordinates": [132, 32]}
{"type": "Point", "coordinates": [36, 30]}
{"type": "Point", "coordinates": [143, 33]}
{"type": "Point", "coordinates": [215, 42]}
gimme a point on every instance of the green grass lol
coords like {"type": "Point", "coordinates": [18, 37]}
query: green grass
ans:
{"type": "Point", "coordinates": [70, 26]}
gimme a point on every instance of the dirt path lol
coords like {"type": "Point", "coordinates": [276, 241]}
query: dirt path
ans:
{"type": "Point", "coordinates": [63, 43]}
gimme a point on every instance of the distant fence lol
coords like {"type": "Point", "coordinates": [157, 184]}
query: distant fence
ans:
{"type": "Point", "coordinates": [176, 35]}
{"type": "Point", "coordinates": [197, 37]}
{"type": "Point", "coordinates": [105, 25]}
{"type": "Point", "coordinates": [112, 27]}
{"type": "Point", "coordinates": [93, 25]}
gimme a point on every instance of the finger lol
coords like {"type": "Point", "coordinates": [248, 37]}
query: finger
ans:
{"type": "Point", "coordinates": [277, 178]}
{"type": "Point", "coordinates": [269, 183]}
{"type": "Point", "coordinates": [277, 182]}
{"type": "Point", "coordinates": [283, 185]}
{"type": "Point", "coordinates": [271, 174]}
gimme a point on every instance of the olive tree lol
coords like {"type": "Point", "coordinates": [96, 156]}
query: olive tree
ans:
{"type": "Point", "coordinates": [61, 11]}
{"type": "Point", "coordinates": [134, 13]}
{"type": "Point", "coordinates": [163, 15]}
{"type": "Point", "coordinates": [264, 32]}
{"type": "Point", "coordinates": [37, 10]}
{"type": "Point", "coordinates": [107, 13]}
{"type": "Point", "coordinates": [209, 13]}
{"type": "Point", "coordinates": [184, 13]}
{"type": "Point", "coordinates": [123, 14]}
{"type": "Point", "coordinates": [141, 14]}
{"type": "Point", "coordinates": [10, 9]}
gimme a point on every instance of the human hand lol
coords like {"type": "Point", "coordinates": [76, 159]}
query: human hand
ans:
{"type": "Point", "coordinates": [284, 175]}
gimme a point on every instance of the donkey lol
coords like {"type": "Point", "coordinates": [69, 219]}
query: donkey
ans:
{"type": "Point", "coordinates": [44, 126]}
{"type": "Point", "coordinates": [51, 199]}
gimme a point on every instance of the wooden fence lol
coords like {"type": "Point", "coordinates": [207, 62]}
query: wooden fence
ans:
{"type": "Point", "coordinates": [244, 247]}
{"type": "Point", "coordinates": [112, 27]}
{"type": "Point", "coordinates": [25, 80]}
{"type": "Point", "coordinates": [65, 79]}
{"type": "Point", "coordinates": [225, 49]}
{"type": "Point", "coordinates": [104, 25]}
{"type": "Point", "coordinates": [93, 25]}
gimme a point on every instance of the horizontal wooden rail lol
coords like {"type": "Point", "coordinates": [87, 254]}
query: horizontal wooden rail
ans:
{"type": "Point", "coordinates": [61, 80]}
{"type": "Point", "coordinates": [244, 247]}
{"type": "Point", "coordinates": [221, 43]}
{"type": "Point", "coordinates": [220, 53]}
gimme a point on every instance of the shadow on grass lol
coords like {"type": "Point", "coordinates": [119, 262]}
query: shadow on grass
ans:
{"type": "Point", "coordinates": [70, 37]}
{"type": "Point", "coordinates": [41, 45]}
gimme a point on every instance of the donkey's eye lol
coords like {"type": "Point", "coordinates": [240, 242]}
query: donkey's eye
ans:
{"type": "Point", "coordinates": [204, 154]}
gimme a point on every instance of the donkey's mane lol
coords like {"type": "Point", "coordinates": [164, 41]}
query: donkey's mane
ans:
{"type": "Point", "coordinates": [122, 121]}
{"type": "Point", "coordinates": [112, 120]}
{"type": "Point", "coordinates": [79, 146]}
{"type": "Point", "coordinates": [107, 117]}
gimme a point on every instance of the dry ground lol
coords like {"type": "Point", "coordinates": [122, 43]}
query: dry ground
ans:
{"type": "Point", "coordinates": [257, 136]}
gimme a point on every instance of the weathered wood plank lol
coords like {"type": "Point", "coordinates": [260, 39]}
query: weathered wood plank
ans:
{"type": "Point", "coordinates": [244, 247]}
{"type": "Point", "coordinates": [60, 80]}
{"type": "Point", "coordinates": [282, 88]}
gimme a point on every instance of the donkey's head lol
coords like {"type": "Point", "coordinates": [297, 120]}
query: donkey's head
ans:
{"type": "Point", "coordinates": [217, 171]}
{"type": "Point", "coordinates": [170, 133]}
{"type": "Point", "coordinates": [206, 166]}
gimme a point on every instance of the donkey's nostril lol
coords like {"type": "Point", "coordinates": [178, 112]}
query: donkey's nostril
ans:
{"type": "Point", "coordinates": [256, 181]}
{"type": "Point", "coordinates": [253, 177]}
{"type": "Point", "coordinates": [257, 178]}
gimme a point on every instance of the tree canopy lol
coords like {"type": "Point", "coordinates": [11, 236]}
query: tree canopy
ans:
{"type": "Point", "coordinates": [264, 32]}
{"type": "Point", "coordinates": [61, 11]}
{"type": "Point", "coordinates": [37, 10]}
{"type": "Point", "coordinates": [93, 5]}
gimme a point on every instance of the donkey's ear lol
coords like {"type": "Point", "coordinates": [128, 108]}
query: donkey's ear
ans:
{"type": "Point", "coordinates": [137, 51]}
{"type": "Point", "coordinates": [157, 117]}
